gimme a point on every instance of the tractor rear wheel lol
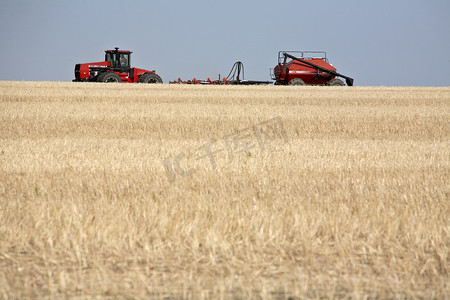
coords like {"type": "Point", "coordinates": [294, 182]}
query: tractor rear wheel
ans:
{"type": "Point", "coordinates": [108, 77]}
{"type": "Point", "coordinates": [296, 81]}
{"type": "Point", "coordinates": [150, 78]}
{"type": "Point", "coordinates": [336, 82]}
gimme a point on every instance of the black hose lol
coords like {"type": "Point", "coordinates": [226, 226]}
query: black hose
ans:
{"type": "Point", "coordinates": [237, 67]}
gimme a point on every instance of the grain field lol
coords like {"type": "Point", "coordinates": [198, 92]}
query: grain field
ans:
{"type": "Point", "coordinates": [223, 192]}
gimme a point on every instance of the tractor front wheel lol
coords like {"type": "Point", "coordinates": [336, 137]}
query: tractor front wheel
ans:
{"type": "Point", "coordinates": [108, 77]}
{"type": "Point", "coordinates": [336, 82]}
{"type": "Point", "coordinates": [296, 81]}
{"type": "Point", "coordinates": [150, 78]}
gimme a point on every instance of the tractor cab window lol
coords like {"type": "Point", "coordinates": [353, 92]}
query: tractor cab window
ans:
{"type": "Point", "coordinates": [124, 59]}
{"type": "Point", "coordinates": [111, 57]}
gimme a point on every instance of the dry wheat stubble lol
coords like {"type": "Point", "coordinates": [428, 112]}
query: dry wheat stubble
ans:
{"type": "Point", "coordinates": [354, 204]}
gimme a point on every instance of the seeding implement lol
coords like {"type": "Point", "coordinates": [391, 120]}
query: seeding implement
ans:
{"type": "Point", "coordinates": [115, 68]}
{"type": "Point", "coordinates": [302, 69]}
{"type": "Point", "coordinates": [233, 78]}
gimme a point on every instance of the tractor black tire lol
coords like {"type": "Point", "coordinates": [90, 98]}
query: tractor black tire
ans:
{"type": "Point", "coordinates": [150, 78]}
{"type": "Point", "coordinates": [109, 77]}
{"type": "Point", "coordinates": [296, 81]}
{"type": "Point", "coordinates": [336, 82]}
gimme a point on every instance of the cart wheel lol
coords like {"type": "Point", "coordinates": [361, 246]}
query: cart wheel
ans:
{"type": "Point", "coordinates": [296, 81]}
{"type": "Point", "coordinates": [336, 82]}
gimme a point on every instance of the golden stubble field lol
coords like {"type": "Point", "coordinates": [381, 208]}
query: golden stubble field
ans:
{"type": "Point", "coordinates": [160, 191]}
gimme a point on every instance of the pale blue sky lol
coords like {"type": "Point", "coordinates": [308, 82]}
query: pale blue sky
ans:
{"type": "Point", "coordinates": [393, 43]}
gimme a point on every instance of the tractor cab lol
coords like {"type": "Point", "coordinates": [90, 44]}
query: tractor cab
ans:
{"type": "Point", "coordinates": [118, 59]}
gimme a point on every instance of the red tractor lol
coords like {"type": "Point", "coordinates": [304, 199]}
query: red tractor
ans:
{"type": "Point", "coordinates": [115, 68]}
{"type": "Point", "coordinates": [306, 68]}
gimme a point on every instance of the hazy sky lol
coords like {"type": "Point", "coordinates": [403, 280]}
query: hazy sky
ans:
{"type": "Point", "coordinates": [393, 43]}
